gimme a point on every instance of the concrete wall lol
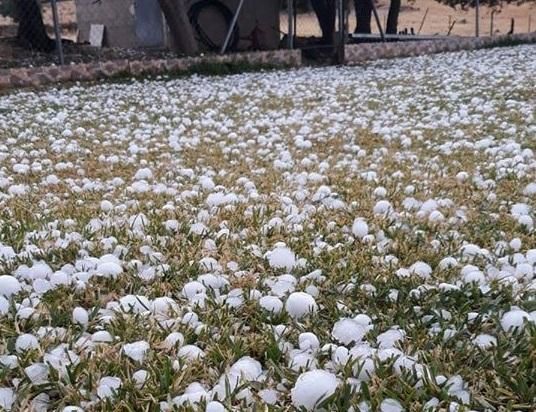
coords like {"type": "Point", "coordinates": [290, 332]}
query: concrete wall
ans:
{"type": "Point", "coordinates": [122, 21]}
{"type": "Point", "coordinates": [118, 17]}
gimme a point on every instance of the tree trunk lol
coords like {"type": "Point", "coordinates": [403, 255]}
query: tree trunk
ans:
{"type": "Point", "coordinates": [363, 12]}
{"type": "Point", "coordinates": [392, 17]}
{"type": "Point", "coordinates": [179, 26]}
{"type": "Point", "coordinates": [31, 32]}
{"type": "Point", "coordinates": [325, 12]}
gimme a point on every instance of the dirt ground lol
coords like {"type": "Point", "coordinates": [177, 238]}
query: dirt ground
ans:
{"type": "Point", "coordinates": [438, 19]}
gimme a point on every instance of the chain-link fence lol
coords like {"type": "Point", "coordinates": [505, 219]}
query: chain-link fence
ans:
{"type": "Point", "coordinates": [35, 32]}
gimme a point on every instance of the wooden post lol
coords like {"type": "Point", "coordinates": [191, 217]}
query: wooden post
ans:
{"type": "Point", "coordinates": [180, 28]}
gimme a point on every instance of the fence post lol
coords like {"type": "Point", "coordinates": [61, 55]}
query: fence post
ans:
{"type": "Point", "coordinates": [291, 28]}
{"type": "Point", "coordinates": [57, 33]}
{"type": "Point", "coordinates": [477, 18]}
{"type": "Point", "coordinates": [342, 31]}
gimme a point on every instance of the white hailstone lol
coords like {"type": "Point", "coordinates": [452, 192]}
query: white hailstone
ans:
{"type": "Point", "coordinates": [347, 331]}
{"type": "Point", "coordinates": [9, 286]}
{"type": "Point", "coordinates": [462, 176]}
{"type": "Point", "coordinates": [109, 270]}
{"type": "Point", "coordinates": [80, 316]}
{"type": "Point", "coordinates": [108, 387]}
{"type": "Point", "coordinates": [299, 304]}
{"type": "Point", "coordinates": [6, 252]}
{"type": "Point", "coordinates": [140, 377]}
{"type": "Point", "coordinates": [59, 278]}
{"type": "Point", "coordinates": [308, 341]}
{"type": "Point", "coordinates": [37, 373]}
{"type": "Point", "coordinates": [102, 336]}
{"type": "Point", "coordinates": [173, 340]}
{"type": "Point", "coordinates": [137, 223]}
{"type": "Point", "coordinates": [448, 263]}
{"type": "Point", "coordinates": [515, 244]}
{"type": "Point", "coordinates": [135, 304]}
{"type": "Point", "coordinates": [520, 209]}
{"type": "Point", "coordinates": [191, 289]}
{"type": "Point", "coordinates": [164, 306]}
{"type": "Point", "coordinates": [421, 269]}
{"type": "Point", "coordinates": [302, 360]}
{"type": "Point", "coordinates": [360, 228]}
{"type": "Point", "coordinates": [436, 217]}
{"type": "Point", "coordinates": [143, 174]}
{"type": "Point", "coordinates": [526, 221]}
{"type": "Point", "coordinates": [390, 338]}
{"type": "Point", "coordinates": [283, 285]}
{"type": "Point", "coordinates": [4, 306]}
{"type": "Point", "coordinates": [282, 258]}
{"type": "Point", "coordinates": [474, 276]}
{"type": "Point", "coordinates": [214, 406]}
{"type": "Point", "coordinates": [383, 207]}
{"type": "Point", "coordinates": [191, 352]}
{"type": "Point", "coordinates": [247, 369]}
{"type": "Point", "coordinates": [106, 206]}
{"type": "Point", "coordinates": [26, 342]}
{"type": "Point", "coordinates": [136, 350]}
{"type": "Point", "coordinates": [9, 361]}
{"type": "Point", "coordinates": [485, 341]}
{"type": "Point", "coordinates": [172, 225]}
{"type": "Point", "coordinates": [7, 398]}
{"type": "Point", "coordinates": [269, 396]}
{"type": "Point", "coordinates": [391, 405]}
{"type": "Point", "coordinates": [364, 320]}
{"type": "Point", "coordinates": [514, 320]}
{"type": "Point", "coordinates": [271, 304]}
{"type": "Point", "coordinates": [71, 408]}
{"type": "Point", "coordinates": [212, 281]}
{"type": "Point", "coordinates": [380, 192]}
{"type": "Point", "coordinates": [312, 388]}
{"type": "Point", "coordinates": [530, 189]}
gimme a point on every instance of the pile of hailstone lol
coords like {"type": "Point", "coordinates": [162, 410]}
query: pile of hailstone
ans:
{"type": "Point", "coordinates": [354, 239]}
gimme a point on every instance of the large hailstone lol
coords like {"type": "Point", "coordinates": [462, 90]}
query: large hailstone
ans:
{"type": "Point", "coordinates": [26, 342]}
{"type": "Point", "coordinates": [391, 405]}
{"type": "Point", "coordinates": [299, 304]}
{"type": "Point", "coordinates": [282, 258]}
{"type": "Point", "coordinates": [137, 350]}
{"type": "Point", "coordinates": [7, 398]}
{"type": "Point", "coordinates": [360, 228]}
{"type": "Point", "coordinates": [108, 387]}
{"type": "Point", "coordinates": [347, 331]}
{"type": "Point", "coordinates": [514, 320]}
{"type": "Point", "coordinates": [9, 286]}
{"type": "Point", "coordinates": [312, 388]}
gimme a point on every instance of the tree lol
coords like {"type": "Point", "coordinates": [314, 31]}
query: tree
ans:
{"type": "Point", "coordinates": [363, 12]}
{"type": "Point", "coordinates": [179, 26]}
{"type": "Point", "coordinates": [31, 32]}
{"type": "Point", "coordinates": [325, 12]}
{"type": "Point", "coordinates": [392, 17]}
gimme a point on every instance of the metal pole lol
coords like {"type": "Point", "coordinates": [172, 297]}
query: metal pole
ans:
{"type": "Point", "coordinates": [377, 18]}
{"type": "Point", "coordinates": [342, 31]}
{"type": "Point", "coordinates": [423, 20]}
{"type": "Point", "coordinates": [57, 33]}
{"type": "Point", "coordinates": [291, 28]}
{"type": "Point", "coordinates": [231, 27]}
{"type": "Point", "coordinates": [477, 18]}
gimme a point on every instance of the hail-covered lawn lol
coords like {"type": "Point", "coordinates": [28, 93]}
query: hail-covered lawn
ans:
{"type": "Point", "coordinates": [339, 238]}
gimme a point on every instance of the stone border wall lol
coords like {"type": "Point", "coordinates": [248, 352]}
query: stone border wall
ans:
{"type": "Point", "coordinates": [359, 53]}
{"type": "Point", "coordinates": [44, 76]}
{"type": "Point", "coordinates": [354, 54]}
